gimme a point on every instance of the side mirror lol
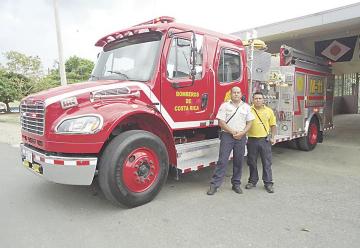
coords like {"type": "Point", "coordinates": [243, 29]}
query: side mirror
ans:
{"type": "Point", "coordinates": [196, 43]}
{"type": "Point", "coordinates": [193, 51]}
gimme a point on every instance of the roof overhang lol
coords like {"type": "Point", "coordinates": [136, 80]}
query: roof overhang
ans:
{"type": "Point", "coordinates": [343, 18]}
{"type": "Point", "coordinates": [303, 32]}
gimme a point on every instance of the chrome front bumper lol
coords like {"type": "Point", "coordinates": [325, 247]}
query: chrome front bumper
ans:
{"type": "Point", "coordinates": [64, 170]}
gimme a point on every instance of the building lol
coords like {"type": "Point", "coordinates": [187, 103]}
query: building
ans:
{"type": "Point", "coordinates": [333, 34]}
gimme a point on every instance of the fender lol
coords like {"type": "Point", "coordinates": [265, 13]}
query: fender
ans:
{"type": "Point", "coordinates": [143, 118]}
{"type": "Point", "coordinates": [307, 122]}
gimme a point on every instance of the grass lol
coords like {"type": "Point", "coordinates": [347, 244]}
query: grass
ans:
{"type": "Point", "coordinates": [10, 118]}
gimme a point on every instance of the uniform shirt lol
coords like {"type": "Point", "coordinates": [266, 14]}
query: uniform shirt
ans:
{"type": "Point", "coordinates": [267, 116]}
{"type": "Point", "coordinates": [238, 122]}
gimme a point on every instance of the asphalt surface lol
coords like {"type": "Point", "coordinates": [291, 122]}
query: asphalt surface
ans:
{"type": "Point", "coordinates": [316, 204]}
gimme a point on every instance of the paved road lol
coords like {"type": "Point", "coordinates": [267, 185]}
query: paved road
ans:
{"type": "Point", "coordinates": [316, 204]}
{"type": "Point", "coordinates": [10, 133]}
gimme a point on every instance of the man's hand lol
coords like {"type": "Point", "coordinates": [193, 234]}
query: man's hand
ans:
{"type": "Point", "coordinates": [238, 135]}
{"type": "Point", "coordinates": [232, 131]}
{"type": "Point", "coordinates": [272, 140]}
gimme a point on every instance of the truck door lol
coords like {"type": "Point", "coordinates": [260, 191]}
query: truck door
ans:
{"type": "Point", "coordinates": [184, 102]}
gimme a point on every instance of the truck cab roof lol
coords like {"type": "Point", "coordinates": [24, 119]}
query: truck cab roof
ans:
{"type": "Point", "coordinates": [163, 24]}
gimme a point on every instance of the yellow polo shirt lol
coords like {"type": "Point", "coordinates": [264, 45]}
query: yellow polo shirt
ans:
{"type": "Point", "coordinates": [268, 118]}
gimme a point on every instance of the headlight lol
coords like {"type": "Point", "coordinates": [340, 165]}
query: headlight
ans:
{"type": "Point", "coordinates": [80, 125]}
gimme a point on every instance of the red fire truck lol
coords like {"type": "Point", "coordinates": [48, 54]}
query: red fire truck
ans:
{"type": "Point", "coordinates": [150, 107]}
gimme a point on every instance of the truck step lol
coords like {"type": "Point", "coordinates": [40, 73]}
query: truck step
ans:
{"type": "Point", "coordinates": [197, 155]}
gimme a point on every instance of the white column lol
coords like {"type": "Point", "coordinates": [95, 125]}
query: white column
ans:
{"type": "Point", "coordinates": [60, 48]}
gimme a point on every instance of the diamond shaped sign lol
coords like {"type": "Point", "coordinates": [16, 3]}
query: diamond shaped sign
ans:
{"type": "Point", "coordinates": [335, 50]}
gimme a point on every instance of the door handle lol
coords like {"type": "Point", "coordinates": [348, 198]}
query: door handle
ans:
{"type": "Point", "coordinates": [204, 100]}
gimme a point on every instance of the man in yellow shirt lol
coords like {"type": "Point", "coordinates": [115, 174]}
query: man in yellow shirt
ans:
{"type": "Point", "coordinates": [260, 138]}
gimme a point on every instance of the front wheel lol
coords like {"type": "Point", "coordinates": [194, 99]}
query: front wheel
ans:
{"type": "Point", "coordinates": [133, 168]}
{"type": "Point", "coordinates": [309, 142]}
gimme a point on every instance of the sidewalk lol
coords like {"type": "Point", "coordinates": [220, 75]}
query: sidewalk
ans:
{"type": "Point", "coordinates": [10, 132]}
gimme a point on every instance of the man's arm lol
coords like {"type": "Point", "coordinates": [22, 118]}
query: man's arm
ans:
{"type": "Point", "coordinates": [240, 134]}
{"type": "Point", "coordinates": [248, 126]}
{"type": "Point", "coordinates": [226, 128]}
{"type": "Point", "coordinates": [272, 123]}
{"type": "Point", "coordinates": [273, 132]}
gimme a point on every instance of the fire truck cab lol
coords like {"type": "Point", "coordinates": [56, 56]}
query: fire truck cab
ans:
{"type": "Point", "coordinates": [149, 106]}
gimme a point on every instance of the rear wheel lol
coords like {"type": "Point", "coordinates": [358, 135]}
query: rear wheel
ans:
{"type": "Point", "coordinates": [309, 142]}
{"type": "Point", "coordinates": [133, 168]}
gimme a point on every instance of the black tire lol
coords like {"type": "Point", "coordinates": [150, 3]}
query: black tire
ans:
{"type": "Point", "coordinates": [309, 142]}
{"type": "Point", "coordinates": [141, 157]}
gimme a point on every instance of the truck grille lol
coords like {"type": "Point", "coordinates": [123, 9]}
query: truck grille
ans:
{"type": "Point", "coordinates": [32, 116]}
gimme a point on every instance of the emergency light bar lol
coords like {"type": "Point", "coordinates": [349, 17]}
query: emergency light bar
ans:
{"type": "Point", "coordinates": [136, 30]}
{"type": "Point", "coordinates": [161, 19]}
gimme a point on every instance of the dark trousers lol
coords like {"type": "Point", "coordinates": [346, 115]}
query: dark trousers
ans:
{"type": "Point", "coordinates": [255, 147]}
{"type": "Point", "coordinates": [228, 144]}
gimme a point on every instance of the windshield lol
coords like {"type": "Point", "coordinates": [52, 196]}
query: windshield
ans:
{"type": "Point", "coordinates": [131, 58]}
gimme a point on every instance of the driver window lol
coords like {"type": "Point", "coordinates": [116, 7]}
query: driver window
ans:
{"type": "Point", "coordinates": [230, 66]}
{"type": "Point", "coordinates": [178, 63]}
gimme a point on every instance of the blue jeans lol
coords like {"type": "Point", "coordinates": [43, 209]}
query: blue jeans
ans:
{"type": "Point", "coordinates": [256, 147]}
{"type": "Point", "coordinates": [228, 144]}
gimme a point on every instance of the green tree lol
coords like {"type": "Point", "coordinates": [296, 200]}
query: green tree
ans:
{"type": "Point", "coordinates": [22, 75]}
{"type": "Point", "coordinates": [22, 72]}
{"type": "Point", "coordinates": [12, 86]}
{"type": "Point", "coordinates": [78, 69]}
{"type": "Point", "coordinates": [19, 63]}
{"type": "Point", "coordinates": [51, 80]}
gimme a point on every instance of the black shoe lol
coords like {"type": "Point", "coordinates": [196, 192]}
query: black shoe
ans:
{"type": "Point", "coordinates": [250, 186]}
{"type": "Point", "coordinates": [212, 190]}
{"type": "Point", "coordinates": [269, 188]}
{"type": "Point", "coordinates": [237, 189]}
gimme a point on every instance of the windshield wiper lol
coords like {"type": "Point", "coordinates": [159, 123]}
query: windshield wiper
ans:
{"type": "Point", "coordinates": [119, 73]}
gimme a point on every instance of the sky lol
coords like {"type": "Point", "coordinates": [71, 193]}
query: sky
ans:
{"type": "Point", "coordinates": [28, 26]}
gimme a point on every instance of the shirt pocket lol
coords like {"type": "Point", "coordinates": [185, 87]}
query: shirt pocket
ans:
{"type": "Point", "coordinates": [229, 111]}
{"type": "Point", "coordinates": [243, 113]}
